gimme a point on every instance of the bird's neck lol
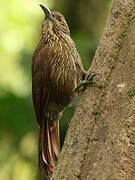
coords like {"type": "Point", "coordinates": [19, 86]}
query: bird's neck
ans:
{"type": "Point", "coordinates": [53, 36]}
{"type": "Point", "coordinates": [49, 37]}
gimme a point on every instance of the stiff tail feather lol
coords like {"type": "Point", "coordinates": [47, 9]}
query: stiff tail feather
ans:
{"type": "Point", "coordinates": [49, 146]}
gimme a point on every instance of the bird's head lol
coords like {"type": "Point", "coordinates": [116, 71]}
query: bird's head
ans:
{"type": "Point", "coordinates": [54, 23]}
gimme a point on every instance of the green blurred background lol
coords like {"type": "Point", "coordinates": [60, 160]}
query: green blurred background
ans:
{"type": "Point", "coordinates": [19, 34]}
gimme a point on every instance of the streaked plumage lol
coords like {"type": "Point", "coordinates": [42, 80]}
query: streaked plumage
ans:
{"type": "Point", "coordinates": [56, 72]}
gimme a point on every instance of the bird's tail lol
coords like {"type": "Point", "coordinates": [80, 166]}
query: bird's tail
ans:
{"type": "Point", "coordinates": [49, 146]}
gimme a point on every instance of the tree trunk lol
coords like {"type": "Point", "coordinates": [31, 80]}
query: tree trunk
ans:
{"type": "Point", "coordinates": [100, 142]}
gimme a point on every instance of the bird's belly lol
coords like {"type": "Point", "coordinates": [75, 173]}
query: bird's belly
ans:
{"type": "Point", "coordinates": [63, 84]}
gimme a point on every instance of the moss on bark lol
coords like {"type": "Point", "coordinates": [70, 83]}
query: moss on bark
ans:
{"type": "Point", "coordinates": [100, 143]}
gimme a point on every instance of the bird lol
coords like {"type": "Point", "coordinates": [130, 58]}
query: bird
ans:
{"type": "Point", "coordinates": [57, 70]}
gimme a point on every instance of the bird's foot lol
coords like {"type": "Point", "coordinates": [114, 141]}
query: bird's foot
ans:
{"type": "Point", "coordinates": [88, 81]}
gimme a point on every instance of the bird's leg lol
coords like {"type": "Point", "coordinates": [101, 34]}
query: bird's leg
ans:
{"type": "Point", "coordinates": [88, 81]}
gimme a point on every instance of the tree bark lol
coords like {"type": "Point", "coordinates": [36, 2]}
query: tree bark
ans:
{"type": "Point", "coordinates": [100, 142]}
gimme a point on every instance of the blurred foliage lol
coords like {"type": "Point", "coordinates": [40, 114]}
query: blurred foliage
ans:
{"type": "Point", "coordinates": [19, 34]}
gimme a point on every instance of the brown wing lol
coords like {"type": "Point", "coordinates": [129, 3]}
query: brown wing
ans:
{"type": "Point", "coordinates": [40, 77]}
{"type": "Point", "coordinates": [49, 137]}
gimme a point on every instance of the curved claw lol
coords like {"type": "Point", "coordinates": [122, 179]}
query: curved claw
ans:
{"type": "Point", "coordinates": [82, 85]}
{"type": "Point", "coordinates": [88, 81]}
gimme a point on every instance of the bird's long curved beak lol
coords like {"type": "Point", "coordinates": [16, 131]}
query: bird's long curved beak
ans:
{"type": "Point", "coordinates": [47, 12]}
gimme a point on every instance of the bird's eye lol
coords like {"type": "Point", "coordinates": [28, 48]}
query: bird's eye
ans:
{"type": "Point", "coordinates": [59, 19]}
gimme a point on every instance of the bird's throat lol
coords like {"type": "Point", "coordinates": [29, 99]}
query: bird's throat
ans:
{"type": "Point", "coordinates": [47, 31]}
